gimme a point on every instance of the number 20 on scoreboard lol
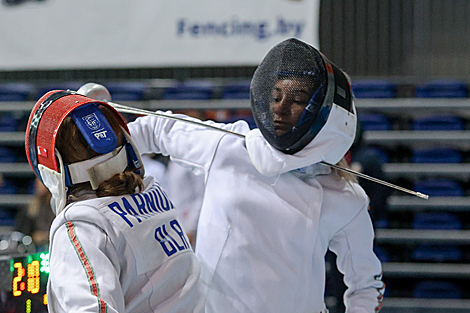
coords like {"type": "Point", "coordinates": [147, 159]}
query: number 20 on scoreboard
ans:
{"type": "Point", "coordinates": [30, 274]}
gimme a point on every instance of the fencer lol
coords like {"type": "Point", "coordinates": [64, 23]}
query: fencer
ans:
{"type": "Point", "coordinates": [116, 244]}
{"type": "Point", "coordinates": [271, 209]}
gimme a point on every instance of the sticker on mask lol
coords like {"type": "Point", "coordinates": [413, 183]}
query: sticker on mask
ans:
{"type": "Point", "coordinates": [95, 128]}
{"type": "Point", "coordinates": [92, 121]}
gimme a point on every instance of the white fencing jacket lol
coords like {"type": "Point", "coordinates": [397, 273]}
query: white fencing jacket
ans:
{"type": "Point", "coordinates": [122, 254]}
{"type": "Point", "coordinates": [262, 239]}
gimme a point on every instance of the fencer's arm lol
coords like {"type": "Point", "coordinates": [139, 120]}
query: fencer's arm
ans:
{"type": "Point", "coordinates": [362, 270]}
{"type": "Point", "coordinates": [182, 141]}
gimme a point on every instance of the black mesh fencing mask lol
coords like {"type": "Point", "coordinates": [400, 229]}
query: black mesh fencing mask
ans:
{"type": "Point", "coordinates": [292, 93]}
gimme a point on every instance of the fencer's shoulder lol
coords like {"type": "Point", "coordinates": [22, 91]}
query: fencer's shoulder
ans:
{"type": "Point", "coordinates": [82, 211]}
{"type": "Point", "coordinates": [358, 191]}
{"type": "Point", "coordinates": [343, 199]}
{"type": "Point", "coordinates": [240, 126]}
{"type": "Point", "coordinates": [86, 210]}
{"type": "Point", "coordinates": [239, 131]}
{"type": "Point", "coordinates": [344, 190]}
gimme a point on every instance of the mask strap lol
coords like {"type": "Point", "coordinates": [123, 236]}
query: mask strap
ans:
{"type": "Point", "coordinates": [55, 183]}
{"type": "Point", "coordinates": [133, 156]}
{"type": "Point", "coordinates": [98, 169]}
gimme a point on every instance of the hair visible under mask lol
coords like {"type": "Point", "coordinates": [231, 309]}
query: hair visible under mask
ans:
{"type": "Point", "coordinates": [74, 148]}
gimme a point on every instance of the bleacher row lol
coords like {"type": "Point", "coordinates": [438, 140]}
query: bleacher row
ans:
{"type": "Point", "coordinates": [198, 89]}
{"type": "Point", "coordinates": [194, 89]}
{"type": "Point", "coordinates": [389, 249]}
{"type": "Point", "coordinates": [422, 268]}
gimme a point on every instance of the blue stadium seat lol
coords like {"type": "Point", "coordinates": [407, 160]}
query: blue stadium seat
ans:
{"type": "Point", "coordinates": [8, 187]}
{"type": "Point", "coordinates": [237, 90]}
{"type": "Point", "coordinates": [126, 91]}
{"type": "Point", "coordinates": [6, 219]}
{"type": "Point", "coordinates": [436, 155]}
{"type": "Point", "coordinates": [437, 253]}
{"type": "Point", "coordinates": [8, 122]}
{"type": "Point", "coordinates": [381, 254]}
{"type": "Point", "coordinates": [436, 187]}
{"type": "Point", "coordinates": [7, 155]}
{"type": "Point", "coordinates": [380, 153]}
{"type": "Point", "coordinates": [72, 85]}
{"type": "Point", "coordinates": [374, 121]}
{"type": "Point", "coordinates": [16, 91]}
{"type": "Point", "coordinates": [436, 220]}
{"type": "Point", "coordinates": [189, 90]}
{"type": "Point", "coordinates": [437, 290]}
{"type": "Point", "coordinates": [438, 122]}
{"type": "Point", "coordinates": [373, 89]}
{"type": "Point", "coordinates": [442, 89]}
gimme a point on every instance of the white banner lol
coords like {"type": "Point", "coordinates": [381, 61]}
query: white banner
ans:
{"type": "Point", "coordinates": [77, 34]}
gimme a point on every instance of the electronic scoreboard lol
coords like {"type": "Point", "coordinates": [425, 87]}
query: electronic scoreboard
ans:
{"type": "Point", "coordinates": [23, 283]}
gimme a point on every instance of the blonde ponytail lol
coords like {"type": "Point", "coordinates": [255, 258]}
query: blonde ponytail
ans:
{"type": "Point", "coordinates": [348, 176]}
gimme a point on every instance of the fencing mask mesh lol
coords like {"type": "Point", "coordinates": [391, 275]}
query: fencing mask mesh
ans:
{"type": "Point", "coordinates": [292, 92]}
